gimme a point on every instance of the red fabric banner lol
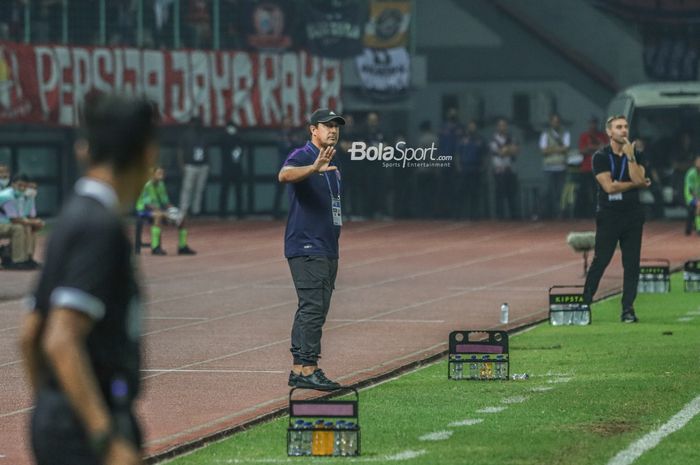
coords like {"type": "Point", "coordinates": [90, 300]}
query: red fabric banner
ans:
{"type": "Point", "coordinates": [46, 84]}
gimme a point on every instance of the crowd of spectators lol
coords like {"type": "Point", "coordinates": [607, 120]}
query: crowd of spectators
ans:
{"type": "Point", "coordinates": [46, 21]}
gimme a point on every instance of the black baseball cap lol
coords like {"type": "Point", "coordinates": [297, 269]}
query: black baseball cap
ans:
{"type": "Point", "coordinates": [324, 115]}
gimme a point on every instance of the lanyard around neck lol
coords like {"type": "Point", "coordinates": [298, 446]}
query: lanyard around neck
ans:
{"type": "Point", "coordinates": [325, 175]}
{"type": "Point", "coordinates": [612, 166]}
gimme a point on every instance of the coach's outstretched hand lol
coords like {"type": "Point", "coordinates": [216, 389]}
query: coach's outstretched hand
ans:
{"type": "Point", "coordinates": [325, 156]}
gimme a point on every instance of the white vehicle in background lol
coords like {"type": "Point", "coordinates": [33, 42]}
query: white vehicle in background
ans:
{"type": "Point", "coordinates": [661, 114]}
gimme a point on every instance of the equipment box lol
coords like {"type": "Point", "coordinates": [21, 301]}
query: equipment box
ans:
{"type": "Point", "coordinates": [691, 276]}
{"type": "Point", "coordinates": [321, 427]}
{"type": "Point", "coordinates": [478, 355]}
{"type": "Point", "coordinates": [654, 276]}
{"type": "Point", "coordinates": [566, 306]}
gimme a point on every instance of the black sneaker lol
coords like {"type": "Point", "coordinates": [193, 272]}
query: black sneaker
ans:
{"type": "Point", "coordinates": [292, 379]}
{"type": "Point", "coordinates": [158, 251]}
{"type": "Point", "coordinates": [628, 316]}
{"type": "Point", "coordinates": [316, 380]}
{"type": "Point", "coordinates": [34, 263]}
{"type": "Point", "coordinates": [186, 251]}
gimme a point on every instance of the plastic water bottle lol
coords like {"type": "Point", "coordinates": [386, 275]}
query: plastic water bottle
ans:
{"type": "Point", "coordinates": [660, 283]}
{"type": "Point", "coordinates": [351, 443]}
{"type": "Point", "coordinates": [457, 368]}
{"type": "Point", "coordinates": [556, 315]}
{"type": "Point", "coordinates": [641, 285]}
{"type": "Point", "coordinates": [329, 442]}
{"type": "Point", "coordinates": [584, 315]}
{"type": "Point", "coordinates": [340, 438]}
{"type": "Point", "coordinates": [486, 368]}
{"type": "Point", "coordinates": [504, 313]}
{"type": "Point", "coordinates": [306, 438]}
{"type": "Point", "coordinates": [501, 372]}
{"type": "Point", "coordinates": [474, 368]}
{"type": "Point", "coordinates": [650, 283]}
{"type": "Point", "coordinates": [318, 439]}
{"type": "Point", "coordinates": [295, 438]}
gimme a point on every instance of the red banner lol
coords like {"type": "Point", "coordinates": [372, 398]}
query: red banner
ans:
{"type": "Point", "coordinates": [46, 84]}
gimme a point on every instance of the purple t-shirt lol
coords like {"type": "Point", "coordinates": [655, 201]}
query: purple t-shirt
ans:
{"type": "Point", "coordinates": [310, 229]}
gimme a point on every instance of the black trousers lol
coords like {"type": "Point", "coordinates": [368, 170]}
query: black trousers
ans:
{"type": "Point", "coordinates": [314, 280]}
{"type": "Point", "coordinates": [232, 173]}
{"type": "Point", "coordinates": [613, 227]}
{"type": "Point", "coordinates": [506, 191]}
{"type": "Point", "coordinates": [58, 437]}
{"type": "Point", "coordinates": [470, 195]}
{"type": "Point", "coordinates": [555, 187]}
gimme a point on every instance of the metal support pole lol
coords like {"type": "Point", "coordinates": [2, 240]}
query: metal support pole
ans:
{"type": "Point", "coordinates": [176, 24]}
{"type": "Point", "coordinates": [103, 23]}
{"type": "Point", "coordinates": [27, 23]}
{"type": "Point", "coordinates": [64, 23]}
{"type": "Point", "coordinates": [216, 20]}
{"type": "Point", "coordinates": [139, 24]}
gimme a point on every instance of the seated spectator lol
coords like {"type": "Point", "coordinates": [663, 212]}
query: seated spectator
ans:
{"type": "Point", "coordinates": [692, 197]}
{"type": "Point", "coordinates": [26, 207]}
{"type": "Point", "coordinates": [154, 204]}
{"type": "Point", "coordinates": [19, 230]}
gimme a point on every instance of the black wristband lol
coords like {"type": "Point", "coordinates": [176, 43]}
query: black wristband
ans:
{"type": "Point", "coordinates": [99, 442]}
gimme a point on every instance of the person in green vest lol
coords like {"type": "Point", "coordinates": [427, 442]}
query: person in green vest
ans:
{"type": "Point", "coordinates": [154, 204]}
{"type": "Point", "coordinates": [691, 189]}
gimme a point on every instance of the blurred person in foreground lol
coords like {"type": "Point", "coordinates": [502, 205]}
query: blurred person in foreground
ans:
{"type": "Point", "coordinates": [81, 340]}
{"type": "Point", "coordinates": [620, 217]}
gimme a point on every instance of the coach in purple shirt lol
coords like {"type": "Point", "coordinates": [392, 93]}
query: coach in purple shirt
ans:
{"type": "Point", "coordinates": [311, 242]}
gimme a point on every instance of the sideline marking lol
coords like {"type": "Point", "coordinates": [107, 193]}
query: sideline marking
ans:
{"type": "Point", "coordinates": [514, 400]}
{"type": "Point", "coordinates": [176, 370]}
{"type": "Point", "coordinates": [23, 410]}
{"type": "Point", "coordinates": [364, 320]}
{"type": "Point", "coordinates": [685, 319]}
{"type": "Point", "coordinates": [541, 388]}
{"type": "Point", "coordinates": [173, 318]}
{"type": "Point", "coordinates": [491, 410]}
{"type": "Point", "coordinates": [436, 436]}
{"type": "Point", "coordinates": [559, 380]}
{"type": "Point", "coordinates": [467, 422]}
{"type": "Point", "coordinates": [651, 440]}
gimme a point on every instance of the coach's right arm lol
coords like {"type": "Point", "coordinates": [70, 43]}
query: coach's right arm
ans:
{"type": "Point", "coordinates": [299, 173]}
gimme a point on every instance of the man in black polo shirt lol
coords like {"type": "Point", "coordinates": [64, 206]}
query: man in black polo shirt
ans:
{"type": "Point", "coordinates": [80, 342]}
{"type": "Point", "coordinates": [619, 217]}
{"type": "Point", "coordinates": [311, 242]}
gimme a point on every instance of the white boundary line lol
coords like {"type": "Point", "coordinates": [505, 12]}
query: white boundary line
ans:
{"type": "Point", "coordinates": [158, 370]}
{"type": "Point", "coordinates": [341, 320]}
{"type": "Point", "coordinates": [651, 440]}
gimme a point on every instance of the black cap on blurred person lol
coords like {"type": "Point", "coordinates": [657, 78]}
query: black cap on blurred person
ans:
{"type": "Point", "coordinates": [324, 115]}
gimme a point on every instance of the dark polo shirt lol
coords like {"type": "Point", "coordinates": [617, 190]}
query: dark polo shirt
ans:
{"type": "Point", "coordinates": [310, 229]}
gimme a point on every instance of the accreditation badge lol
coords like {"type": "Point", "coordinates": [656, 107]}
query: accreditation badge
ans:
{"type": "Point", "coordinates": [337, 212]}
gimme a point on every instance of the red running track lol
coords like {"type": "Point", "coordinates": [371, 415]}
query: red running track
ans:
{"type": "Point", "coordinates": [217, 328]}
